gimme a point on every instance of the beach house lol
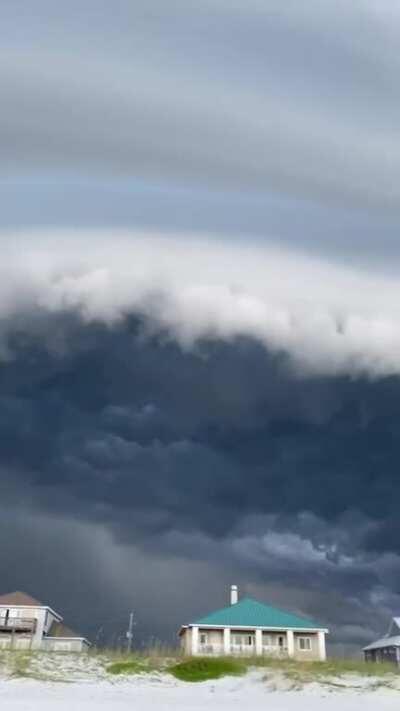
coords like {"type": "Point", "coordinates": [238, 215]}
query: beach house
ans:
{"type": "Point", "coordinates": [26, 623]}
{"type": "Point", "coordinates": [387, 648]}
{"type": "Point", "coordinates": [250, 627]}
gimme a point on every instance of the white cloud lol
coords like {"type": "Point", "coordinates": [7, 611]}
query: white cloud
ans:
{"type": "Point", "coordinates": [329, 319]}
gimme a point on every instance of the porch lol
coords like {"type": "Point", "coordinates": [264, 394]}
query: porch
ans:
{"type": "Point", "coordinates": [218, 642]}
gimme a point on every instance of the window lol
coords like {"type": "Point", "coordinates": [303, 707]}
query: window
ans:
{"type": "Point", "coordinates": [203, 638]}
{"type": "Point", "coordinates": [243, 639]}
{"type": "Point", "coordinates": [304, 644]}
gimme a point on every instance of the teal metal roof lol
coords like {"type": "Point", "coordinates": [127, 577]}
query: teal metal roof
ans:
{"type": "Point", "coordinates": [251, 613]}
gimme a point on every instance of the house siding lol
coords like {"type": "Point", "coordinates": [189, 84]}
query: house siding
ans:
{"type": "Point", "coordinates": [186, 641]}
{"type": "Point", "coordinates": [15, 642]}
{"type": "Point", "coordinates": [54, 644]}
{"type": "Point", "coordinates": [305, 654]}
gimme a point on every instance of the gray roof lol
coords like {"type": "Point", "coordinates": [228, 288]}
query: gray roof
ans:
{"type": "Point", "coordinates": [391, 638]}
{"type": "Point", "coordinates": [384, 642]}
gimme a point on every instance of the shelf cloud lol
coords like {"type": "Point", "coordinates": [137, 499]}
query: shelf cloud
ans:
{"type": "Point", "coordinates": [327, 319]}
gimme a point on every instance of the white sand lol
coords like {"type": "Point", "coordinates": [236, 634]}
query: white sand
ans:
{"type": "Point", "coordinates": [250, 693]}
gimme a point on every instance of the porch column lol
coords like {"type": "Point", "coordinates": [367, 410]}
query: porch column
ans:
{"type": "Point", "coordinates": [290, 643]}
{"type": "Point", "coordinates": [259, 644]}
{"type": "Point", "coordinates": [227, 640]}
{"type": "Point", "coordinates": [195, 641]}
{"type": "Point", "coordinates": [321, 646]}
{"type": "Point", "coordinates": [39, 629]}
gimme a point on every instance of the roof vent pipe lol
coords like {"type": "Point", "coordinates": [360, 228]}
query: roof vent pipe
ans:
{"type": "Point", "coordinates": [234, 594]}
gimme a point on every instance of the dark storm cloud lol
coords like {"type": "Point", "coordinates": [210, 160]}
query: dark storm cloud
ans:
{"type": "Point", "coordinates": [136, 428]}
{"type": "Point", "coordinates": [94, 582]}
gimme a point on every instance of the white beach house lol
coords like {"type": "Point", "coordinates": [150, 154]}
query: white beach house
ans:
{"type": "Point", "coordinates": [252, 627]}
{"type": "Point", "coordinates": [26, 623]}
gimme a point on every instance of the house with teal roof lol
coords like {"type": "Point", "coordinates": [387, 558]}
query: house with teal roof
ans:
{"type": "Point", "coordinates": [250, 627]}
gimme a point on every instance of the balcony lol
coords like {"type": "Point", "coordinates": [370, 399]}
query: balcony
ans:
{"type": "Point", "coordinates": [17, 624]}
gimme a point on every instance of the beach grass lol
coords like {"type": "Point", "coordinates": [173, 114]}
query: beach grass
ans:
{"type": "Point", "coordinates": [133, 666]}
{"type": "Point", "coordinates": [204, 668]}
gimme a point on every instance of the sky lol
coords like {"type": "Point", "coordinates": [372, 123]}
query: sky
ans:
{"type": "Point", "coordinates": [200, 310]}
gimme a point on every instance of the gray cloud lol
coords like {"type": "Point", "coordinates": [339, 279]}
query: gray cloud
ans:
{"type": "Point", "coordinates": [200, 94]}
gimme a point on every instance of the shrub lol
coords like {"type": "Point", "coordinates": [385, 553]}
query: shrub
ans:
{"type": "Point", "coordinates": [201, 669]}
{"type": "Point", "coordinates": [132, 667]}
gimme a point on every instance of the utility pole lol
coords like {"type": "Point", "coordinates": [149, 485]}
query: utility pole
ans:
{"type": "Point", "coordinates": [129, 633]}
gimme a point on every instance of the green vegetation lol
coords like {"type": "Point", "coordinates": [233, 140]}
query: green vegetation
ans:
{"type": "Point", "coordinates": [338, 667]}
{"type": "Point", "coordinates": [317, 670]}
{"type": "Point", "coordinates": [154, 658]}
{"type": "Point", "coordinates": [203, 668]}
{"type": "Point", "coordinates": [200, 668]}
{"type": "Point", "coordinates": [135, 666]}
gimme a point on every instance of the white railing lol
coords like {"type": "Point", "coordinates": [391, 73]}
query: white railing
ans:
{"type": "Point", "coordinates": [245, 649]}
{"type": "Point", "coordinates": [12, 623]}
{"type": "Point", "coordinates": [210, 649]}
{"type": "Point", "coordinates": [274, 650]}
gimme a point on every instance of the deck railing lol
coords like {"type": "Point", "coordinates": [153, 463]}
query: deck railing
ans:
{"type": "Point", "coordinates": [17, 623]}
{"type": "Point", "coordinates": [272, 650]}
{"type": "Point", "coordinates": [211, 649]}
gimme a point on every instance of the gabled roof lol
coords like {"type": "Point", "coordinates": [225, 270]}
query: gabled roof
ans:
{"type": "Point", "coordinates": [394, 628]}
{"type": "Point", "coordinates": [384, 642]}
{"type": "Point", "coordinates": [20, 598]}
{"type": "Point", "coordinates": [391, 639]}
{"type": "Point", "coordinates": [251, 613]}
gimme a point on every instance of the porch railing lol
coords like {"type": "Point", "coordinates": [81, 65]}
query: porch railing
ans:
{"type": "Point", "coordinates": [17, 623]}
